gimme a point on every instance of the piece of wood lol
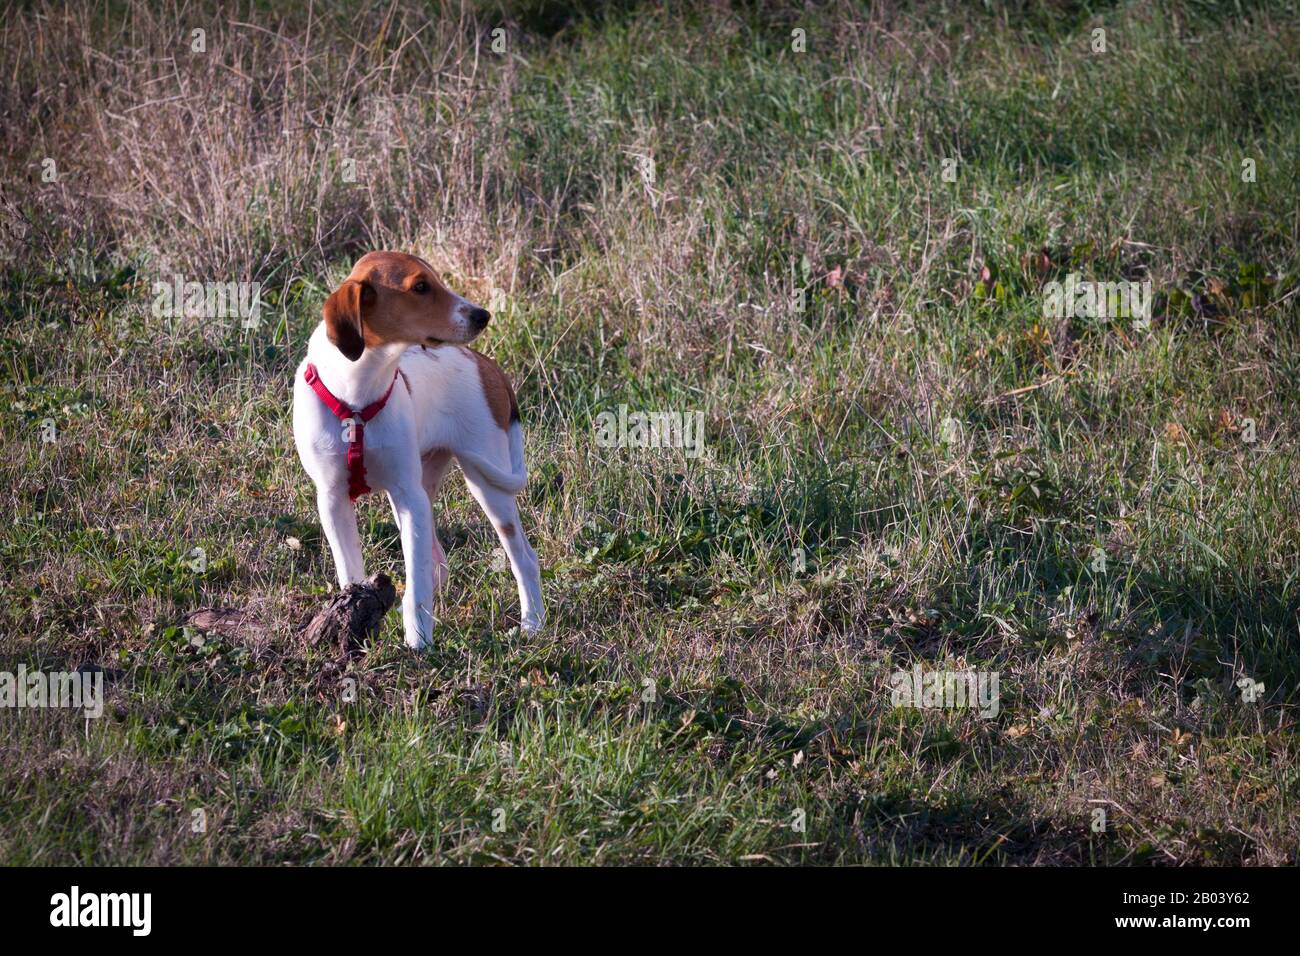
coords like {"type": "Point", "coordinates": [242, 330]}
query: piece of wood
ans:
{"type": "Point", "coordinates": [353, 615]}
{"type": "Point", "coordinates": [226, 621]}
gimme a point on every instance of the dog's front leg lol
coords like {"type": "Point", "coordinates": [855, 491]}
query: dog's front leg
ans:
{"type": "Point", "coordinates": [338, 519]}
{"type": "Point", "coordinates": [415, 521]}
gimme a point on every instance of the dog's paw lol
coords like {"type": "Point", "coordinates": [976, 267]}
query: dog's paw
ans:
{"type": "Point", "coordinates": [419, 635]}
{"type": "Point", "coordinates": [532, 625]}
{"type": "Point", "coordinates": [417, 624]}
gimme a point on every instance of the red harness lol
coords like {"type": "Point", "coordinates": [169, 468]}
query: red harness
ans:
{"type": "Point", "coordinates": [357, 442]}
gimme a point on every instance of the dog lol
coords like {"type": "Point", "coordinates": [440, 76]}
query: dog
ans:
{"type": "Point", "coordinates": [387, 395]}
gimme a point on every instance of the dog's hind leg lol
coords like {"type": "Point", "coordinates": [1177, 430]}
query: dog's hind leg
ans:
{"type": "Point", "coordinates": [503, 512]}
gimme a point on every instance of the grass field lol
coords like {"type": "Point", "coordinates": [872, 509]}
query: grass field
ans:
{"type": "Point", "coordinates": [833, 244]}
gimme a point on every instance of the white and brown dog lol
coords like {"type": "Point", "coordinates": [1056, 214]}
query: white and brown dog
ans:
{"type": "Point", "coordinates": [387, 396]}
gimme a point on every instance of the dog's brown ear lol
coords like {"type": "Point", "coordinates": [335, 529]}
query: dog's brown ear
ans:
{"type": "Point", "coordinates": [343, 311]}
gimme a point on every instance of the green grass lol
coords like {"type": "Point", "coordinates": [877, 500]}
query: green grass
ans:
{"type": "Point", "coordinates": [916, 468]}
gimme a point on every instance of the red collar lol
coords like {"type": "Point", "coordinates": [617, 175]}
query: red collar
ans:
{"type": "Point", "coordinates": [356, 431]}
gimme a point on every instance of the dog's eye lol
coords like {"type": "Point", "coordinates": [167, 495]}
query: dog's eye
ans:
{"type": "Point", "coordinates": [421, 287]}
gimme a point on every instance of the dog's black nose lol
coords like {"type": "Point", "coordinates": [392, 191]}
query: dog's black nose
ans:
{"type": "Point", "coordinates": [478, 318]}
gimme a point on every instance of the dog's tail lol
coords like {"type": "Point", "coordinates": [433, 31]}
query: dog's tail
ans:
{"type": "Point", "coordinates": [511, 482]}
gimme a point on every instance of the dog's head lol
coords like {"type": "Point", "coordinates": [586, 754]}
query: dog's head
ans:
{"type": "Point", "coordinates": [395, 297]}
